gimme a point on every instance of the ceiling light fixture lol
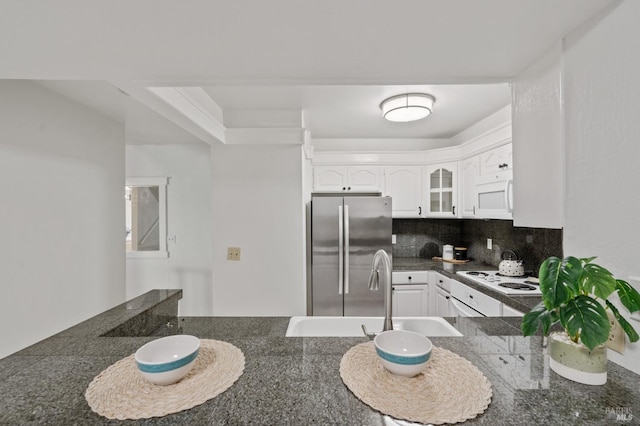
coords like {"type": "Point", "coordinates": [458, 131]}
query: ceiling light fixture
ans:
{"type": "Point", "coordinates": [407, 107]}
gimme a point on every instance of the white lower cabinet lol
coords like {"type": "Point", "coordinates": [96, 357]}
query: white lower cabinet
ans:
{"type": "Point", "coordinates": [415, 294]}
{"type": "Point", "coordinates": [441, 292]}
{"type": "Point", "coordinates": [443, 303]}
{"type": "Point", "coordinates": [410, 294]}
{"type": "Point", "coordinates": [411, 300]}
{"type": "Point", "coordinates": [481, 303]}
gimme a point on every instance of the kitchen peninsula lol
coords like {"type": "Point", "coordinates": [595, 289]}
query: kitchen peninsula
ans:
{"type": "Point", "coordinates": [294, 381]}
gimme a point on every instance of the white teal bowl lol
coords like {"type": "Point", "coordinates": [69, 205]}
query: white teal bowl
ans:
{"type": "Point", "coordinates": [403, 352]}
{"type": "Point", "coordinates": [167, 360]}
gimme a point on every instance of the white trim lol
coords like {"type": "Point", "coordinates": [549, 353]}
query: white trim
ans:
{"type": "Point", "coordinates": [192, 108]}
{"type": "Point", "coordinates": [147, 181]}
{"type": "Point", "coordinates": [209, 130]}
{"type": "Point", "coordinates": [433, 156]}
{"type": "Point", "coordinates": [265, 136]}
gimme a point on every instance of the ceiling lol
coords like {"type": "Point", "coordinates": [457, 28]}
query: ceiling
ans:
{"type": "Point", "coordinates": [334, 60]}
{"type": "Point", "coordinates": [142, 124]}
{"type": "Point", "coordinates": [354, 111]}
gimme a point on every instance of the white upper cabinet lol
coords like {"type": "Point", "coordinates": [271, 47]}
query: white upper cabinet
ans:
{"type": "Point", "coordinates": [496, 160]}
{"type": "Point", "coordinates": [440, 192]}
{"type": "Point", "coordinates": [403, 185]}
{"type": "Point", "coordinates": [348, 178]}
{"type": "Point", "coordinates": [365, 178]}
{"type": "Point", "coordinates": [330, 178]}
{"type": "Point", "coordinates": [469, 172]}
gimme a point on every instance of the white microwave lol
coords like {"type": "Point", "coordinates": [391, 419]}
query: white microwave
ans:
{"type": "Point", "coordinates": [494, 195]}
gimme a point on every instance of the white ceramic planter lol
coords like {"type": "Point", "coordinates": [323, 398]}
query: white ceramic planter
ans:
{"type": "Point", "coordinates": [576, 362]}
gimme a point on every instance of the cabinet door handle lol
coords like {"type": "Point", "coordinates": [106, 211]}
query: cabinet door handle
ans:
{"type": "Point", "coordinates": [454, 210]}
{"type": "Point", "coordinates": [344, 188]}
{"type": "Point", "coordinates": [349, 189]}
{"type": "Point", "coordinates": [447, 297]}
{"type": "Point", "coordinates": [419, 210]}
{"type": "Point", "coordinates": [409, 278]}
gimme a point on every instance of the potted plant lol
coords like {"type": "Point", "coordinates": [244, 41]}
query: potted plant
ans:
{"type": "Point", "coordinates": [575, 293]}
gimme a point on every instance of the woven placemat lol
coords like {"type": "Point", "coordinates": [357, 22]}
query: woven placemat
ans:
{"type": "Point", "coordinates": [120, 391]}
{"type": "Point", "coordinates": [449, 390]}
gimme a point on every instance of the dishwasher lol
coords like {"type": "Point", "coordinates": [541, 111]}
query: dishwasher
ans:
{"type": "Point", "coordinates": [468, 302]}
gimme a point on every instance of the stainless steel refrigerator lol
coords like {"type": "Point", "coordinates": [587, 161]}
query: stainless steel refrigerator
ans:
{"type": "Point", "coordinates": [345, 234]}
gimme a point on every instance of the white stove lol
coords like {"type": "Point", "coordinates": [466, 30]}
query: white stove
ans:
{"type": "Point", "coordinates": [520, 286]}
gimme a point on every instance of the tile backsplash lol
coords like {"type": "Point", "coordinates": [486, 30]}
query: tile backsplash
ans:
{"type": "Point", "coordinates": [424, 238]}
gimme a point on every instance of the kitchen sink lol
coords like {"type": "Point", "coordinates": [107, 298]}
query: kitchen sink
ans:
{"type": "Point", "coordinates": [352, 326]}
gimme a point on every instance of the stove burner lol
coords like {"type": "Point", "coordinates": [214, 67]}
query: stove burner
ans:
{"type": "Point", "coordinates": [475, 273]}
{"type": "Point", "coordinates": [517, 286]}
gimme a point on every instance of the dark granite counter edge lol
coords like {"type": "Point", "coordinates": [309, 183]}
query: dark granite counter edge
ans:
{"type": "Point", "coordinates": [295, 380]}
{"type": "Point", "coordinates": [137, 317]}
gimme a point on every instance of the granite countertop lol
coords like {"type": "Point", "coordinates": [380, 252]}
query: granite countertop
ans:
{"type": "Point", "coordinates": [296, 381]}
{"type": "Point", "coordinates": [521, 303]}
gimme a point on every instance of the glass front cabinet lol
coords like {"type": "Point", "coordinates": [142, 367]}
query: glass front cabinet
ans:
{"type": "Point", "coordinates": [441, 190]}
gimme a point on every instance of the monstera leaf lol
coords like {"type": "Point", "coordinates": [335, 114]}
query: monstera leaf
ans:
{"type": "Point", "coordinates": [572, 292]}
{"type": "Point", "coordinates": [584, 319]}
{"type": "Point", "coordinates": [537, 317]}
{"type": "Point", "coordinates": [628, 296]}
{"type": "Point", "coordinates": [628, 329]}
{"type": "Point", "coordinates": [597, 280]}
{"type": "Point", "coordinates": [559, 280]}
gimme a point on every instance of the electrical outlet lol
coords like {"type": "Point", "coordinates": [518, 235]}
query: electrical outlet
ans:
{"type": "Point", "coordinates": [616, 335]}
{"type": "Point", "coordinates": [233, 253]}
{"type": "Point", "coordinates": [489, 244]}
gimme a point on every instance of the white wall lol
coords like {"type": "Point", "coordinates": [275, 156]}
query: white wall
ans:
{"type": "Point", "coordinates": [602, 74]}
{"type": "Point", "coordinates": [61, 215]}
{"type": "Point", "coordinates": [258, 206]}
{"type": "Point", "coordinates": [538, 144]}
{"type": "Point", "coordinates": [188, 266]}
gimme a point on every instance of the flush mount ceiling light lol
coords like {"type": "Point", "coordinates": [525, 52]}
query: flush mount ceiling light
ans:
{"type": "Point", "coordinates": [407, 107]}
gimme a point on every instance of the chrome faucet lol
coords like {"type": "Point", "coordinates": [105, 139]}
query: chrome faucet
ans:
{"type": "Point", "coordinates": [381, 261]}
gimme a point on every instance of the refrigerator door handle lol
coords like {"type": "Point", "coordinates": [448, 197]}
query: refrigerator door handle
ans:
{"type": "Point", "coordinates": [340, 250]}
{"type": "Point", "coordinates": [346, 249]}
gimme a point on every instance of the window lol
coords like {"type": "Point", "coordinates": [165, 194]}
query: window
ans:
{"type": "Point", "coordinates": [146, 217]}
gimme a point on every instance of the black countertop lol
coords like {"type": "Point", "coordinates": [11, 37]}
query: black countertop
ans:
{"type": "Point", "coordinates": [295, 380]}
